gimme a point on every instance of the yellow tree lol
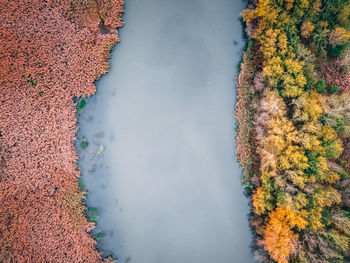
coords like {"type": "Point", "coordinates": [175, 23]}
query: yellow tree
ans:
{"type": "Point", "coordinates": [339, 36]}
{"type": "Point", "coordinates": [306, 29]}
{"type": "Point", "coordinates": [279, 239]}
{"type": "Point", "coordinates": [308, 107]}
{"type": "Point", "coordinates": [262, 201]}
{"type": "Point", "coordinates": [323, 196]}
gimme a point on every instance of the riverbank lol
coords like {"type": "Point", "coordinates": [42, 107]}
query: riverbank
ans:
{"type": "Point", "coordinates": [51, 52]}
{"type": "Point", "coordinates": [293, 129]}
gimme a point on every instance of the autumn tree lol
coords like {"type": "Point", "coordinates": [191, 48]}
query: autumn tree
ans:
{"type": "Point", "coordinates": [299, 125]}
{"type": "Point", "coordinates": [279, 239]}
{"type": "Point", "coordinates": [339, 36]}
{"type": "Point", "coordinates": [306, 29]}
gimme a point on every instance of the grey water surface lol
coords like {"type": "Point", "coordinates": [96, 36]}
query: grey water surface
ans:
{"type": "Point", "coordinates": [160, 165]}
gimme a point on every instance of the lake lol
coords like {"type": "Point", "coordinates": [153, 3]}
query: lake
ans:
{"type": "Point", "coordinates": [160, 165]}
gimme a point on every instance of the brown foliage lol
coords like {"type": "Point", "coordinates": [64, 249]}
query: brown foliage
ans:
{"type": "Point", "coordinates": [306, 29]}
{"type": "Point", "coordinates": [334, 75]}
{"type": "Point", "coordinates": [50, 52]}
{"type": "Point", "coordinates": [259, 81]}
{"type": "Point", "coordinates": [245, 109]}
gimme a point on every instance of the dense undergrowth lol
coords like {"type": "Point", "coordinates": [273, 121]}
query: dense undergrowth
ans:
{"type": "Point", "coordinates": [294, 129]}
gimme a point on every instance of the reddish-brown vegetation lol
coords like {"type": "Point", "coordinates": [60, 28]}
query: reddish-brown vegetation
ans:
{"type": "Point", "coordinates": [245, 110]}
{"type": "Point", "coordinates": [50, 52]}
{"type": "Point", "coordinates": [335, 72]}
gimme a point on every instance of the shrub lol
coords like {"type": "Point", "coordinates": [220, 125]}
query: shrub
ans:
{"type": "Point", "coordinates": [326, 217]}
{"type": "Point", "coordinates": [333, 89]}
{"type": "Point", "coordinates": [80, 105]}
{"type": "Point", "coordinates": [81, 184]}
{"type": "Point", "coordinates": [343, 175]}
{"type": "Point", "coordinates": [342, 162]}
{"type": "Point", "coordinates": [337, 51]}
{"type": "Point", "coordinates": [100, 235]}
{"type": "Point", "coordinates": [92, 211]}
{"type": "Point", "coordinates": [91, 214]}
{"type": "Point", "coordinates": [321, 41]}
{"type": "Point", "coordinates": [93, 218]}
{"type": "Point", "coordinates": [333, 149]}
{"type": "Point", "coordinates": [321, 86]}
{"type": "Point", "coordinates": [84, 143]}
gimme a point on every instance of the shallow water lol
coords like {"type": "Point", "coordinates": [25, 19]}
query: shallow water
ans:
{"type": "Point", "coordinates": [160, 162]}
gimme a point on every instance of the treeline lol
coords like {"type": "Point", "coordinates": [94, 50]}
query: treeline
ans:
{"type": "Point", "coordinates": [294, 128]}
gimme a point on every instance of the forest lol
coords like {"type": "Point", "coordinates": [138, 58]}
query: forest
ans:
{"type": "Point", "coordinates": [293, 138]}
